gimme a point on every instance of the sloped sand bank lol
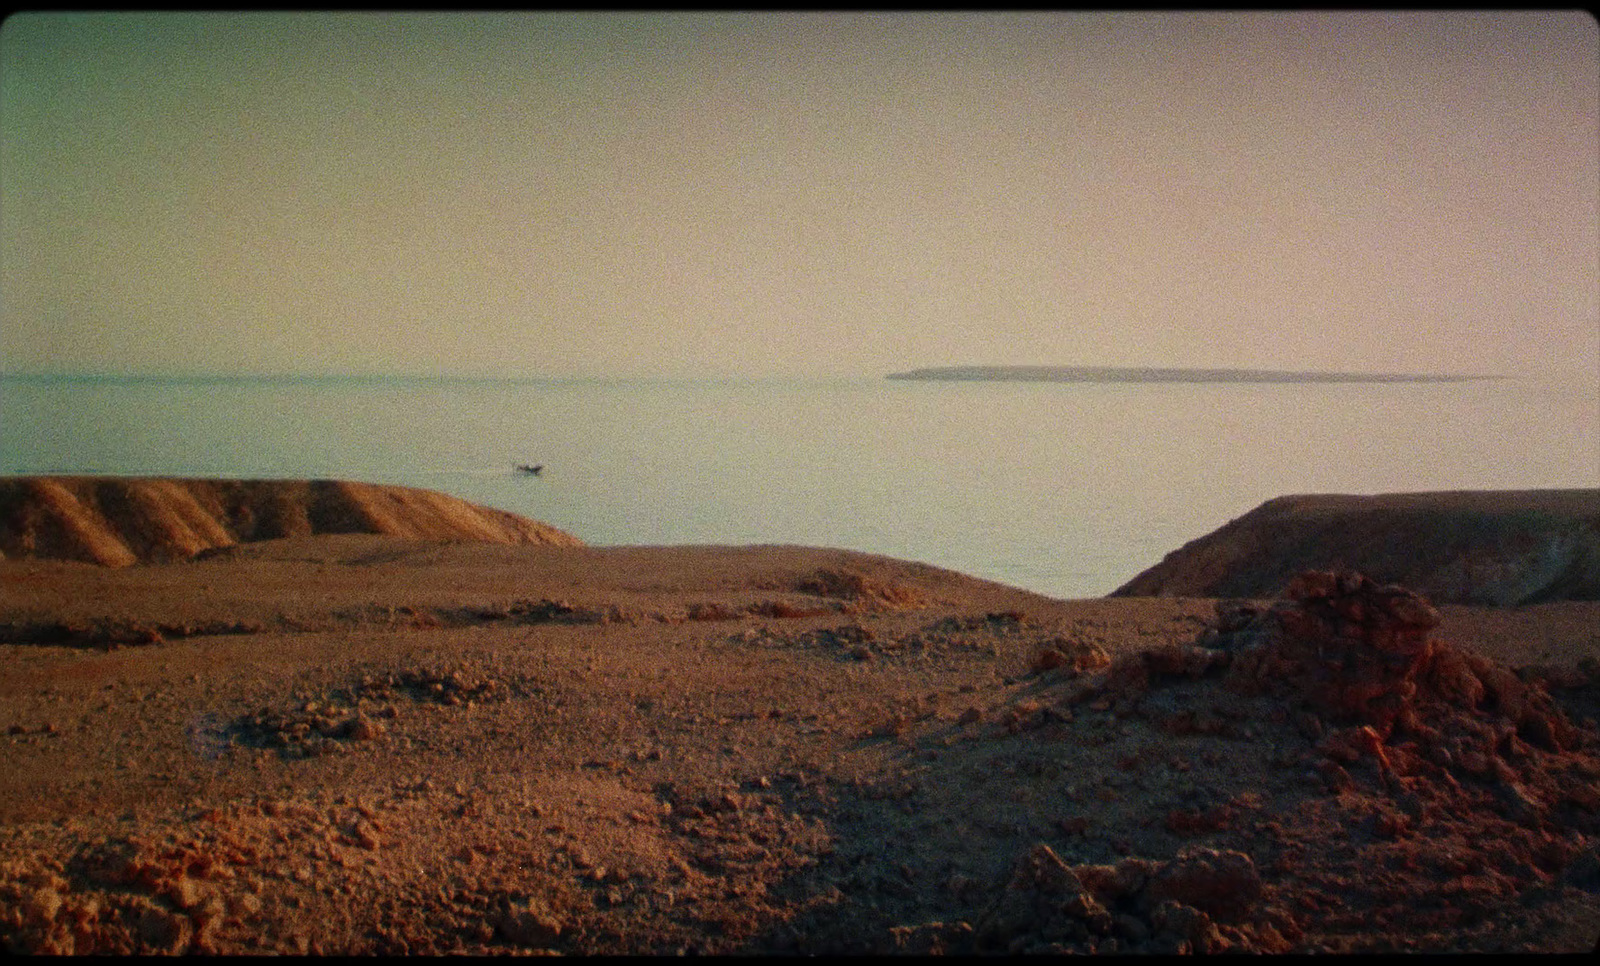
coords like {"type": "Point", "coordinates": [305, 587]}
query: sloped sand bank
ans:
{"type": "Point", "coordinates": [367, 744]}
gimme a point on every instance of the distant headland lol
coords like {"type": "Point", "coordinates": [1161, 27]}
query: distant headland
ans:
{"type": "Point", "coordinates": [1138, 374]}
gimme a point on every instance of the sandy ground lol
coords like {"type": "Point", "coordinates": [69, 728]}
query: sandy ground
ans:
{"type": "Point", "coordinates": [372, 745]}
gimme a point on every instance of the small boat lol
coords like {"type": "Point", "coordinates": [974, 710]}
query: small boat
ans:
{"type": "Point", "coordinates": [534, 470]}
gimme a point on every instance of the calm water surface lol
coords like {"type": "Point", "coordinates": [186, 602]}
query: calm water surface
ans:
{"type": "Point", "coordinates": [1065, 489]}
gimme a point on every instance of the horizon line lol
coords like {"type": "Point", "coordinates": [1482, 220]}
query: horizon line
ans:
{"type": "Point", "coordinates": [198, 377]}
{"type": "Point", "coordinates": [970, 371]}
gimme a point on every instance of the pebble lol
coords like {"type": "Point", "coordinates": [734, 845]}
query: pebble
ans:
{"type": "Point", "coordinates": [188, 893]}
{"type": "Point", "coordinates": [367, 836]}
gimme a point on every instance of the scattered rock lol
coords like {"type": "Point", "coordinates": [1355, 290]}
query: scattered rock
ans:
{"type": "Point", "coordinates": [1223, 884]}
{"type": "Point", "coordinates": [858, 589]}
{"type": "Point", "coordinates": [1076, 656]}
{"type": "Point", "coordinates": [531, 924]}
{"type": "Point", "coordinates": [712, 612]}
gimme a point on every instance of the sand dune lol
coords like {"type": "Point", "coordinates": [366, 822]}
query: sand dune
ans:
{"type": "Point", "coordinates": [117, 521]}
{"type": "Point", "coordinates": [1497, 548]}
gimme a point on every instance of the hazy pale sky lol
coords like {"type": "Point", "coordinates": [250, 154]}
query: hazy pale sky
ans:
{"type": "Point", "coordinates": [799, 194]}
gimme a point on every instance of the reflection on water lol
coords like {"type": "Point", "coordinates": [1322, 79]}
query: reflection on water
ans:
{"type": "Point", "coordinates": [1067, 489]}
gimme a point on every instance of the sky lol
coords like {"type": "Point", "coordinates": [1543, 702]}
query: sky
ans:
{"type": "Point", "coordinates": [802, 194]}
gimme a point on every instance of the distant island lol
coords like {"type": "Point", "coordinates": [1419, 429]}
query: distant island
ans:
{"type": "Point", "coordinates": [1135, 374]}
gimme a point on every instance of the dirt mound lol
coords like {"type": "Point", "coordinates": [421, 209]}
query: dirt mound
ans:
{"type": "Point", "coordinates": [1485, 547]}
{"type": "Point", "coordinates": [117, 521]}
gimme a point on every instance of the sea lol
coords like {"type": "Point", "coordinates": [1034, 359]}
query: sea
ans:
{"type": "Point", "coordinates": [1065, 489]}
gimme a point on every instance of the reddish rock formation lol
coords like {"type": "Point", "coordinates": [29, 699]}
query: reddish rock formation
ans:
{"type": "Point", "coordinates": [1136, 905]}
{"type": "Point", "coordinates": [1442, 762]}
{"type": "Point", "coordinates": [1350, 648]}
{"type": "Point", "coordinates": [1361, 654]}
{"type": "Point", "coordinates": [117, 521]}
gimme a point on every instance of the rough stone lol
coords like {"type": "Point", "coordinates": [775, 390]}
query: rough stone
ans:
{"type": "Point", "coordinates": [1224, 884]}
{"type": "Point", "coordinates": [531, 924]}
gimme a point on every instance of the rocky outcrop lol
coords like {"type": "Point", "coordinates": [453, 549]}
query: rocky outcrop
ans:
{"type": "Point", "coordinates": [1156, 907]}
{"type": "Point", "coordinates": [117, 521]}
{"type": "Point", "coordinates": [1362, 654]}
{"type": "Point", "coordinates": [1497, 548]}
{"type": "Point", "coordinates": [1434, 762]}
{"type": "Point", "coordinates": [1357, 667]}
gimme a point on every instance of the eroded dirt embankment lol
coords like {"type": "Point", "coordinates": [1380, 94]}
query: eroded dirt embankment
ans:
{"type": "Point", "coordinates": [118, 521]}
{"type": "Point", "coordinates": [1496, 548]}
